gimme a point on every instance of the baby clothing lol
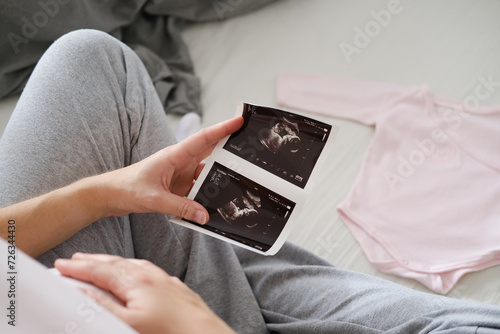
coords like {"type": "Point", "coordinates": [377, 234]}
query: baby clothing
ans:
{"type": "Point", "coordinates": [90, 107]}
{"type": "Point", "coordinates": [425, 204]}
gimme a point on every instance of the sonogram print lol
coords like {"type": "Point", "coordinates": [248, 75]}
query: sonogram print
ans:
{"type": "Point", "coordinates": [285, 144]}
{"type": "Point", "coordinates": [242, 209]}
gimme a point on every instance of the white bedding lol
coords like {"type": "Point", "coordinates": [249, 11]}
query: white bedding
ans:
{"type": "Point", "coordinates": [446, 45]}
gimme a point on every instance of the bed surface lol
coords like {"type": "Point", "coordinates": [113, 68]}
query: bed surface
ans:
{"type": "Point", "coordinates": [447, 45]}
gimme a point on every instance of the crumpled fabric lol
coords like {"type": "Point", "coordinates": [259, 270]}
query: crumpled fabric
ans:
{"type": "Point", "coordinates": [152, 28]}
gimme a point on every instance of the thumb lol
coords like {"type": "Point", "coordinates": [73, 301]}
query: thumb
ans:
{"type": "Point", "coordinates": [186, 208]}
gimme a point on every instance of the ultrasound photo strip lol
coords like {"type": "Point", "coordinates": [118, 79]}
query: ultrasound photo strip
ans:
{"type": "Point", "coordinates": [256, 181]}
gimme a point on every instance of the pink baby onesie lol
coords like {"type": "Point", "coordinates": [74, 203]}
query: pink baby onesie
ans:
{"type": "Point", "coordinates": [426, 202]}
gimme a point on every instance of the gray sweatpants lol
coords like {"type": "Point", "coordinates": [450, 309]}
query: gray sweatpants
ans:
{"type": "Point", "coordinates": [89, 108]}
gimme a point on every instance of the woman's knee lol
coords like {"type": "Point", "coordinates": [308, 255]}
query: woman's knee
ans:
{"type": "Point", "coordinates": [86, 41]}
{"type": "Point", "coordinates": [85, 49]}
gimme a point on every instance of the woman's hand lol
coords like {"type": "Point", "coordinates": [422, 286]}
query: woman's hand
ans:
{"type": "Point", "coordinates": [155, 184]}
{"type": "Point", "coordinates": [160, 182]}
{"type": "Point", "coordinates": [153, 301]}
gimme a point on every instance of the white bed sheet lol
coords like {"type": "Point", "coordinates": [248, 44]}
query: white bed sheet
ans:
{"type": "Point", "coordinates": [447, 44]}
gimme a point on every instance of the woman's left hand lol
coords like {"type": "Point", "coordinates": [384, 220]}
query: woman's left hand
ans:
{"type": "Point", "coordinates": [160, 182]}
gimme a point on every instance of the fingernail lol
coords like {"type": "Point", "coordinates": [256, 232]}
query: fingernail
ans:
{"type": "Point", "coordinates": [199, 217]}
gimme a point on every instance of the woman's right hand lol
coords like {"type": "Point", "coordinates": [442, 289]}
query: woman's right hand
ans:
{"type": "Point", "coordinates": [153, 301]}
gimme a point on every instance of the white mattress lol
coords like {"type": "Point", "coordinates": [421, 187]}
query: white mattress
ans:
{"type": "Point", "coordinates": [446, 45]}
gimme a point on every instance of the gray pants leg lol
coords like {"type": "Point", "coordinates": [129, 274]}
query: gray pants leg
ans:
{"type": "Point", "coordinates": [82, 113]}
{"type": "Point", "coordinates": [89, 108]}
{"type": "Point", "coordinates": [300, 293]}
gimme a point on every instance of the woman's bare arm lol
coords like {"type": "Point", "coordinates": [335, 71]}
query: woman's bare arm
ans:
{"type": "Point", "coordinates": [43, 222]}
{"type": "Point", "coordinates": [155, 184]}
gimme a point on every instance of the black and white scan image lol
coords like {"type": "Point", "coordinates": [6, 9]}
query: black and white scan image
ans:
{"type": "Point", "coordinates": [283, 143]}
{"type": "Point", "coordinates": [241, 209]}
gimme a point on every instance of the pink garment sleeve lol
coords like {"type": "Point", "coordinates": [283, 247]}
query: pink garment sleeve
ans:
{"type": "Point", "coordinates": [360, 101]}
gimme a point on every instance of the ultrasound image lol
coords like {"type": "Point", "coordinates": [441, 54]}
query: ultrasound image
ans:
{"type": "Point", "coordinates": [242, 209]}
{"type": "Point", "coordinates": [285, 144]}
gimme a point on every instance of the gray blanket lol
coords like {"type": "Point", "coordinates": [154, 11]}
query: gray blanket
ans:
{"type": "Point", "coordinates": [150, 27]}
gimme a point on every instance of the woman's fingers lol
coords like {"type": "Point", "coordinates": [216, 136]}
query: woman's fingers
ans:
{"type": "Point", "coordinates": [114, 306]}
{"type": "Point", "coordinates": [154, 302]}
{"type": "Point", "coordinates": [185, 208]}
{"type": "Point", "coordinates": [106, 272]}
{"type": "Point", "coordinates": [198, 170]}
{"type": "Point", "coordinates": [202, 143]}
